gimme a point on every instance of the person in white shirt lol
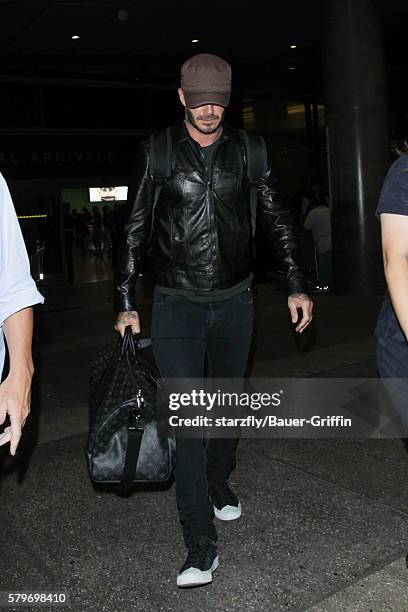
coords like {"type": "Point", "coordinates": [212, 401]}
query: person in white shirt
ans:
{"type": "Point", "coordinates": [18, 293]}
{"type": "Point", "coordinates": [318, 221]}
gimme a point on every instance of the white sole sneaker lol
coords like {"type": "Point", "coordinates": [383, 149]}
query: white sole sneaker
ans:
{"type": "Point", "coordinates": [228, 513]}
{"type": "Point", "coordinates": [193, 577]}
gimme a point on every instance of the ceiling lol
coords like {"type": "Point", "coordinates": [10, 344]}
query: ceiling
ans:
{"type": "Point", "coordinates": [235, 28]}
{"type": "Point", "coordinates": [143, 42]}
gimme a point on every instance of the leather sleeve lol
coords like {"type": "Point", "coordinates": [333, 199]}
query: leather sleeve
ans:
{"type": "Point", "coordinates": [279, 227]}
{"type": "Point", "coordinates": [133, 241]}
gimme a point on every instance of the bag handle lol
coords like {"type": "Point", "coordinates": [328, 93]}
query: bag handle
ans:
{"type": "Point", "coordinates": [129, 345]}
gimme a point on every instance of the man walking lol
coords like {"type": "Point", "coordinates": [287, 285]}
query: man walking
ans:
{"type": "Point", "coordinates": [203, 305]}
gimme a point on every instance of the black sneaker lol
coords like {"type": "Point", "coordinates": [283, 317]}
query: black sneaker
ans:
{"type": "Point", "coordinates": [227, 507]}
{"type": "Point", "coordinates": [202, 560]}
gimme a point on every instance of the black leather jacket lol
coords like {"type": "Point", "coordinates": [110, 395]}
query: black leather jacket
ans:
{"type": "Point", "coordinates": [202, 232]}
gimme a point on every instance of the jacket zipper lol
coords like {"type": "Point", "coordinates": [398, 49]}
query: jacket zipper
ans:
{"type": "Point", "coordinates": [210, 199]}
{"type": "Point", "coordinates": [212, 232]}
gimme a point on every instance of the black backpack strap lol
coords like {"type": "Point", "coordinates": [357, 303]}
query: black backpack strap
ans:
{"type": "Point", "coordinates": [160, 155]}
{"type": "Point", "coordinates": [257, 158]}
{"type": "Point", "coordinates": [160, 164]}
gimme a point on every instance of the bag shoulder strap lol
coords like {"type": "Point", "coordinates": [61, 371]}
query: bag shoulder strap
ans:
{"type": "Point", "coordinates": [160, 165]}
{"type": "Point", "coordinates": [256, 162]}
{"type": "Point", "coordinates": [135, 431]}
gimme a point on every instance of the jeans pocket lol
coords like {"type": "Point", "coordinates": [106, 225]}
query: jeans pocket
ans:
{"type": "Point", "coordinates": [158, 298]}
{"type": "Point", "coordinates": [246, 297]}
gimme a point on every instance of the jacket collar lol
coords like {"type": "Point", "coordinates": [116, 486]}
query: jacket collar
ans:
{"type": "Point", "coordinates": [180, 132]}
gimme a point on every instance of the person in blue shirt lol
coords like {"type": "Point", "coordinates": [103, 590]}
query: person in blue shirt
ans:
{"type": "Point", "coordinates": [18, 293]}
{"type": "Point", "coordinates": [391, 332]}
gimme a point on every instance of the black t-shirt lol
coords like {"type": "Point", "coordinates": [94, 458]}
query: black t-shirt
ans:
{"type": "Point", "coordinates": [393, 200]}
{"type": "Point", "coordinates": [394, 193]}
{"type": "Point", "coordinates": [208, 154]}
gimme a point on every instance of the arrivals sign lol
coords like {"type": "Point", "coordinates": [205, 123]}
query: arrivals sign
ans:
{"type": "Point", "coordinates": [25, 157]}
{"type": "Point", "coordinates": [57, 157]}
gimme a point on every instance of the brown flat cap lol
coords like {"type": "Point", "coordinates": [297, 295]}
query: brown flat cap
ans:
{"type": "Point", "coordinates": [206, 79]}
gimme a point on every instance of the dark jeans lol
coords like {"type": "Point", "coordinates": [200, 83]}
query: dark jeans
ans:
{"type": "Point", "coordinates": [391, 350]}
{"type": "Point", "coordinates": [183, 333]}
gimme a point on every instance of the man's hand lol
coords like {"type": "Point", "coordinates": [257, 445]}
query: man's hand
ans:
{"type": "Point", "coordinates": [15, 391]}
{"type": "Point", "coordinates": [124, 319]}
{"type": "Point", "coordinates": [302, 301]}
{"type": "Point", "coordinates": [15, 400]}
